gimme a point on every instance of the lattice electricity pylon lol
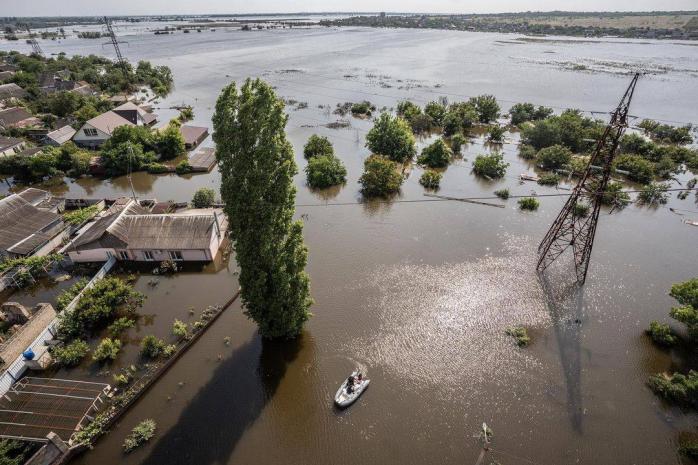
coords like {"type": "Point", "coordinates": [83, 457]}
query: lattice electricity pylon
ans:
{"type": "Point", "coordinates": [575, 226]}
{"type": "Point", "coordinates": [115, 43]}
{"type": "Point", "coordinates": [32, 41]}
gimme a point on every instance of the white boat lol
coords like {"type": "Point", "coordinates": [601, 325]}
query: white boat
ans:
{"type": "Point", "coordinates": [344, 398]}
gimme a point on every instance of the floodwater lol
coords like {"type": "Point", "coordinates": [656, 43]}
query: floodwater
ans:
{"type": "Point", "coordinates": [420, 294]}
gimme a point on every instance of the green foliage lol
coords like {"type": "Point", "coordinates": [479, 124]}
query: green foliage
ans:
{"type": "Point", "coordinates": [79, 216]}
{"type": "Point", "coordinates": [569, 129]}
{"type": "Point", "coordinates": [392, 137]}
{"type": "Point", "coordinates": [529, 203]}
{"type": "Point", "coordinates": [98, 306]}
{"type": "Point", "coordinates": [638, 168]}
{"type": "Point", "coordinates": [667, 133]}
{"type": "Point", "coordinates": [520, 334]}
{"type": "Point", "coordinates": [436, 155]}
{"type": "Point", "coordinates": [71, 354]}
{"type": "Point", "coordinates": [430, 179]}
{"type": "Point", "coordinates": [686, 293]}
{"type": "Point", "coordinates": [69, 294]}
{"type": "Point", "coordinates": [502, 193]}
{"type": "Point", "coordinates": [121, 379]}
{"type": "Point", "coordinates": [527, 152]}
{"type": "Point", "coordinates": [614, 195]}
{"type": "Point", "coordinates": [554, 157]}
{"type": "Point", "coordinates": [33, 263]}
{"type": "Point", "coordinates": [140, 434]}
{"type": "Point", "coordinates": [436, 112]}
{"type": "Point", "coordinates": [325, 171]}
{"type": "Point", "coordinates": [15, 452]}
{"type": "Point", "coordinates": [486, 106]}
{"type": "Point", "coordinates": [158, 78]}
{"type": "Point", "coordinates": [120, 325]}
{"type": "Point", "coordinates": [151, 346]}
{"type": "Point", "coordinates": [679, 388]}
{"type": "Point", "coordinates": [635, 143]}
{"type": "Point", "coordinates": [457, 141]}
{"type": "Point", "coordinates": [549, 179]}
{"type": "Point", "coordinates": [661, 334]}
{"type": "Point", "coordinates": [183, 167]}
{"type": "Point", "coordinates": [654, 194]}
{"type": "Point", "coordinates": [408, 110]}
{"type": "Point", "coordinates": [496, 133]}
{"type": "Point", "coordinates": [180, 329]}
{"type": "Point", "coordinates": [522, 112]}
{"type": "Point", "coordinates": [492, 166]}
{"type": "Point", "coordinates": [362, 108]}
{"type": "Point", "coordinates": [186, 114]}
{"type": "Point", "coordinates": [380, 178]}
{"type": "Point", "coordinates": [257, 166]}
{"type": "Point", "coordinates": [460, 117]}
{"type": "Point", "coordinates": [170, 142]}
{"type": "Point", "coordinates": [107, 350]}
{"type": "Point", "coordinates": [156, 168]}
{"type": "Point", "coordinates": [580, 210]}
{"type": "Point", "coordinates": [688, 447]}
{"type": "Point", "coordinates": [117, 159]}
{"type": "Point", "coordinates": [93, 429]}
{"type": "Point", "coordinates": [317, 146]}
{"type": "Point", "coordinates": [203, 198]}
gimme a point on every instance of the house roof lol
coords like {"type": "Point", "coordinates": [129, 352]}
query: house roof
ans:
{"type": "Point", "coordinates": [24, 227]}
{"type": "Point", "coordinates": [11, 90]}
{"type": "Point", "coordinates": [105, 232]}
{"type": "Point", "coordinates": [9, 142]}
{"type": "Point", "coordinates": [30, 152]}
{"type": "Point", "coordinates": [33, 195]}
{"type": "Point", "coordinates": [6, 75]}
{"type": "Point", "coordinates": [192, 134]}
{"type": "Point", "coordinates": [147, 117]}
{"type": "Point", "coordinates": [62, 135]}
{"type": "Point", "coordinates": [107, 122]}
{"type": "Point", "coordinates": [13, 116]}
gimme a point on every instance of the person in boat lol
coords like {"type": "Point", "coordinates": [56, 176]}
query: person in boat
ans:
{"type": "Point", "coordinates": [359, 378]}
{"type": "Point", "coordinates": [350, 384]}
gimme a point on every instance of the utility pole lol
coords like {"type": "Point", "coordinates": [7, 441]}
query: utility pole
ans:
{"type": "Point", "coordinates": [119, 57]}
{"type": "Point", "coordinates": [572, 228]}
{"type": "Point", "coordinates": [36, 49]}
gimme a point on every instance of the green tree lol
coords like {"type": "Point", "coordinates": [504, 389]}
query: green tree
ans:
{"type": "Point", "coordinates": [436, 155]}
{"type": "Point", "coordinates": [107, 349]}
{"type": "Point", "coordinates": [430, 179]}
{"type": "Point", "coordinates": [380, 178]}
{"type": "Point", "coordinates": [203, 198]}
{"type": "Point", "coordinates": [460, 117]}
{"type": "Point", "coordinates": [491, 166]}
{"type": "Point", "coordinates": [522, 112]}
{"type": "Point", "coordinates": [257, 168]}
{"type": "Point", "coordinates": [554, 157]}
{"type": "Point", "coordinates": [325, 171]}
{"type": "Point", "coordinates": [408, 110]}
{"type": "Point", "coordinates": [486, 106]}
{"type": "Point", "coordinates": [392, 137]}
{"type": "Point", "coordinates": [436, 112]}
{"type": "Point", "coordinates": [151, 346]}
{"type": "Point", "coordinates": [317, 146]}
{"type": "Point", "coordinates": [170, 142]}
{"type": "Point", "coordinates": [71, 354]}
{"type": "Point", "coordinates": [638, 168]}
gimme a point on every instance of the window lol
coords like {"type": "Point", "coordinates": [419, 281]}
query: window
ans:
{"type": "Point", "coordinates": [90, 132]}
{"type": "Point", "coordinates": [176, 255]}
{"type": "Point", "coordinates": [123, 255]}
{"type": "Point", "coordinates": [148, 254]}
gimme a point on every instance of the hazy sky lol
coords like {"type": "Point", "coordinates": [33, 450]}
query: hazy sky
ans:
{"type": "Point", "coordinates": [115, 7]}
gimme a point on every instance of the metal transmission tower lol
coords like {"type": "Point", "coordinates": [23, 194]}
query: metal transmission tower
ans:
{"type": "Point", "coordinates": [572, 228]}
{"type": "Point", "coordinates": [32, 41]}
{"type": "Point", "coordinates": [119, 57]}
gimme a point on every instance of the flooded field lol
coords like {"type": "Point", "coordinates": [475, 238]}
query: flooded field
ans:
{"type": "Point", "coordinates": [419, 294]}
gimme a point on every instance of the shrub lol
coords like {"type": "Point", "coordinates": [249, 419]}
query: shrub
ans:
{"type": "Point", "coordinates": [436, 112]}
{"type": "Point", "coordinates": [549, 179]}
{"type": "Point", "coordinates": [183, 167]}
{"type": "Point", "coordinates": [638, 168]}
{"type": "Point", "coordinates": [392, 137]}
{"type": "Point", "coordinates": [169, 350]}
{"type": "Point", "coordinates": [380, 178]}
{"type": "Point", "coordinates": [120, 325]}
{"type": "Point", "coordinates": [186, 114]}
{"type": "Point", "coordinates": [325, 171]}
{"type": "Point", "coordinates": [553, 157]}
{"type": "Point", "coordinates": [677, 387]}
{"type": "Point", "coordinates": [496, 133]}
{"type": "Point", "coordinates": [686, 293]}
{"type": "Point", "coordinates": [180, 329]}
{"type": "Point", "coordinates": [436, 155]}
{"type": "Point", "coordinates": [69, 294]}
{"type": "Point", "coordinates": [79, 216]}
{"type": "Point", "coordinates": [522, 112]}
{"type": "Point", "coordinates": [520, 334]}
{"type": "Point", "coordinates": [688, 447]}
{"type": "Point", "coordinates": [71, 354]}
{"type": "Point", "coordinates": [502, 193]}
{"type": "Point", "coordinates": [140, 434]}
{"type": "Point", "coordinates": [529, 203]}
{"type": "Point", "coordinates": [661, 334]}
{"type": "Point", "coordinates": [486, 106]}
{"type": "Point", "coordinates": [491, 166]}
{"type": "Point", "coordinates": [170, 142]}
{"type": "Point", "coordinates": [156, 168]}
{"type": "Point", "coordinates": [363, 108]}
{"type": "Point", "coordinates": [430, 179]}
{"type": "Point", "coordinates": [122, 379]}
{"type": "Point", "coordinates": [107, 349]}
{"type": "Point", "coordinates": [527, 152]}
{"type": "Point", "coordinates": [460, 117]}
{"type": "Point", "coordinates": [580, 210]}
{"type": "Point", "coordinates": [421, 123]}
{"type": "Point", "coordinates": [151, 346]}
{"type": "Point", "coordinates": [653, 194]}
{"type": "Point", "coordinates": [203, 198]}
{"type": "Point", "coordinates": [614, 195]}
{"type": "Point", "coordinates": [457, 141]}
{"type": "Point", "coordinates": [408, 110]}
{"type": "Point", "coordinates": [317, 146]}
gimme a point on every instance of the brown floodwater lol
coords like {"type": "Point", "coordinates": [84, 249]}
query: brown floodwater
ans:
{"type": "Point", "coordinates": [418, 294]}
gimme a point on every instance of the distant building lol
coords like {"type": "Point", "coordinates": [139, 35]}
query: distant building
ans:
{"type": "Point", "coordinates": [193, 136]}
{"type": "Point", "coordinates": [30, 224]}
{"type": "Point", "coordinates": [129, 232]}
{"type": "Point", "coordinates": [17, 117]}
{"type": "Point", "coordinates": [59, 136]}
{"type": "Point", "coordinates": [10, 146]}
{"type": "Point", "coordinates": [99, 129]}
{"type": "Point", "coordinates": [135, 114]}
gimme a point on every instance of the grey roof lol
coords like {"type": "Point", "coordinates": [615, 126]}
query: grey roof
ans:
{"type": "Point", "coordinates": [34, 196]}
{"type": "Point", "coordinates": [11, 90]}
{"type": "Point", "coordinates": [107, 122]}
{"type": "Point", "coordinates": [193, 134]}
{"type": "Point", "coordinates": [62, 135]}
{"type": "Point", "coordinates": [203, 159]}
{"type": "Point", "coordinates": [12, 116]}
{"type": "Point", "coordinates": [6, 75]}
{"type": "Point", "coordinates": [106, 232]}
{"type": "Point", "coordinates": [9, 142]}
{"type": "Point", "coordinates": [24, 227]}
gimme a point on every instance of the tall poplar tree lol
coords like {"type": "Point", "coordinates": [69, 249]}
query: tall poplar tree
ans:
{"type": "Point", "coordinates": [257, 167]}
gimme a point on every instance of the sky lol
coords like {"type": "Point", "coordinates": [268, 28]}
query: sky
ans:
{"type": "Point", "coordinates": [143, 7]}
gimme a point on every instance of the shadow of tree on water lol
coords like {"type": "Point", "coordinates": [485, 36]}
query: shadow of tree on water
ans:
{"type": "Point", "coordinates": [212, 424]}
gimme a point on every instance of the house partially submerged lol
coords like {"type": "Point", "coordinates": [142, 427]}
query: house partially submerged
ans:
{"type": "Point", "coordinates": [30, 224]}
{"type": "Point", "coordinates": [135, 114]}
{"type": "Point", "coordinates": [10, 146]}
{"type": "Point", "coordinates": [59, 136]}
{"type": "Point", "coordinates": [129, 232]}
{"type": "Point", "coordinates": [99, 129]}
{"type": "Point", "coordinates": [193, 136]}
{"type": "Point", "coordinates": [17, 117]}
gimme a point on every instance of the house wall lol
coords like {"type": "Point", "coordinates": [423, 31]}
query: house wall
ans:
{"type": "Point", "coordinates": [12, 150]}
{"type": "Point", "coordinates": [54, 243]}
{"type": "Point", "coordinates": [93, 255]}
{"type": "Point", "coordinates": [84, 140]}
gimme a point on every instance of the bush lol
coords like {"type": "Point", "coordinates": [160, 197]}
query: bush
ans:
{"type": "Point", "coordinates": [502, 193]}
{"type": "Point", "coordinates": [457, 141]}
{"type": "Point", "coordinates": [186, 114]}
{"type": "Point", "coordinates": [363, 108]}
{"type": "Point", "coordinates": [380, 178]}
{"type": "Point", "coordinates": [325, 171]}
{"type": "Point", "coordinates": [522, 112]}
{"type": "Point", "coordinates": [549, 179]}
{"type": "Point", "coordinates": [661, 334]}
{"type": "Point", "coordinates": [436, 112]}
{"type": "Point", "coordinates": [529, 203]}
{"type": "Point", "coordinates": [70, 355]}
{"type": "Point", "coordinates": [151, 346]}
{"type": "Point", "coordinates": [408, 110]}
{"type": "Point", "coordinates": [491, 166]}
{"type": "Point", "coordinates": [317, 146]}
{"type": "Point", "coordinates": [520, 334]}
{"type": "Point", "coordinates": [421, 123]}
{"type": "Point", "coordinates": [142, 433]}
{"type": "Point", "coordinates": [495, 133]}
{"type": "Point", "coordinates": [653, 194]}
{"type": "Point", "coordinates": [203, 198]}
{"type": "Point", "coordinates": [156, 168]}
{"type": "Point", "coordinates": [120, 325]}
{"type": "Point", "coordinates": [486, 106]}
{"type": "Point", "coordinates": [569, 129]}
{"type": "Point", "coordinates": [580, 210]}
{"type": "Point", "coordinates": [170, 142]}
{"type": "Point", "coordinates": [180, 329]}
{"type": "Point", "coordinates": [614, 195]}
{"type": "Point", "coordinates": [183, 167]}
{"type": "Point", "coordinates": [436, 155]}
{"type": "Point", "coordinates": [686, 293]}
{"type": "Point", "coordinates": [554, 157]}
{"type": "Point", "coordinates": [679, 388]}
{"type": "Point", "coordinates": [107, 349]}
{"type": "Point", "coordinates": [430, 179]}
{"type": "Point", "coordinates": [459, 118]}
{"type": "Point", "coordinates": [79, 216]}
{"type": "Point", "coordinates": [527, 152]}
{"type": "Point", "coordinates": [392, 137]}
{"type": "Point", "coordinates": [638, 168]}
{"type": "Point", "coordinates": [69, 294]}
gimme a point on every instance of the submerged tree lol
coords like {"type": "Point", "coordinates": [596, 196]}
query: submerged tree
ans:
{"type": "Point", "coordinates": [257, 168]}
